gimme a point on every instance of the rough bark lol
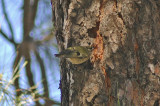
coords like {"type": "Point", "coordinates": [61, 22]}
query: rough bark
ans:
{"type": "Point", "coordinates": [124, 68]}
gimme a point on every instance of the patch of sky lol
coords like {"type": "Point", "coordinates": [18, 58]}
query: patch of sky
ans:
{"type": "Point", "coordinates": [14, 9]}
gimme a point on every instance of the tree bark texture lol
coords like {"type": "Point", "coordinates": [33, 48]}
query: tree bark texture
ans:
{"type": "Point", "coordinates": [124, 68]}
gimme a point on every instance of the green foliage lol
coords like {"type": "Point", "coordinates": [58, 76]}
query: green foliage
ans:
{"type": "Point", "coordinates": [7, 93]}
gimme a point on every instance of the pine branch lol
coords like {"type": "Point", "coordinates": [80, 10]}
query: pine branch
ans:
{"type": "Point", "coordinates": [43, 73]}
{"type": "Point", "coordinates": [30, 75]}
{"type": "Point", "coordinates": [7, 19]}
{"type": "Point", "coordinates": [6, 37]}
{"type": "Point", "coordinates": [29, 16]}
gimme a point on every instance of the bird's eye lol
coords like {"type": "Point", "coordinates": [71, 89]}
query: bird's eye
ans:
{"type": "Point", "coordinates": [78, 53]}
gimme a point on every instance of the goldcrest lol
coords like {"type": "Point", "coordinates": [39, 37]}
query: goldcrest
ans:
{"type": "Point", "coordinates": [76, 54]}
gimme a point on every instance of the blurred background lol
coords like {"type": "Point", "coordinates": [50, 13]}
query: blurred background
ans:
{"type": "Point", "coordinates": [29, 72]}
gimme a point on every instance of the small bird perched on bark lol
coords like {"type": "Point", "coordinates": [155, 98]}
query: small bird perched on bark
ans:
{"type": "Point", "coordinates": [76, 54]}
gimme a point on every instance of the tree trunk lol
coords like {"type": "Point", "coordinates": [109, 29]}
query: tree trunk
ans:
{"type": "Point", "coordinates": [124, 68]}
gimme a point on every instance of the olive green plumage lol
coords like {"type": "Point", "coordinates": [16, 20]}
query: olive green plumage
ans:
{"type": "Point", "coordinates": [76, 54]}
